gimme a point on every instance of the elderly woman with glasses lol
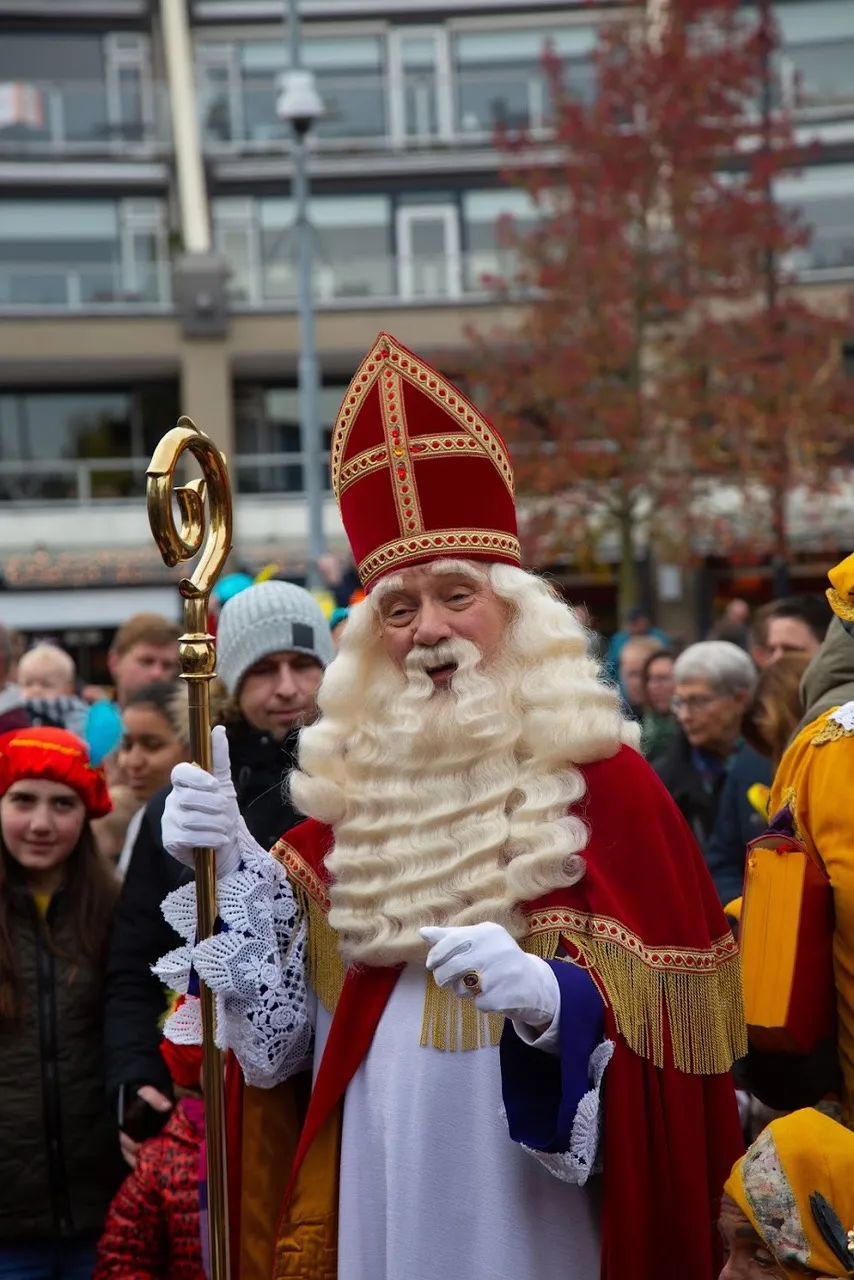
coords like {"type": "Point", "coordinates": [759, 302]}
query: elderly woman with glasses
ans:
{"type": "Point", "coordinates": [713, 683]}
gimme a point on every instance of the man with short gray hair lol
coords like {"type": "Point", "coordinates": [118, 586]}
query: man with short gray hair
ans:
{"type": "Point", "coordinates": [714, 682]}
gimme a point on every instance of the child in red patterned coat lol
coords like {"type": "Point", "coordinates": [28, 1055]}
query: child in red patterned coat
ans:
{"type": "Point", "coordinates": [153, 1229]}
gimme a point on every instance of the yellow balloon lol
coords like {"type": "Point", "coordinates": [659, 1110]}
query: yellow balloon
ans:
{"type": "Point", "coordinates": [269, 571]}
{"type": "Point", "coordinates": [326, 600]}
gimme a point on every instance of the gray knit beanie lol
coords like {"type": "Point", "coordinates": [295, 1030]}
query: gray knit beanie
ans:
{"type": "Point", "coordinates": [269, 617]}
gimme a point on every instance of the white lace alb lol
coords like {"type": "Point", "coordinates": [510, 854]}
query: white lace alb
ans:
{"type": "Point", "coordinates": [256, 967]}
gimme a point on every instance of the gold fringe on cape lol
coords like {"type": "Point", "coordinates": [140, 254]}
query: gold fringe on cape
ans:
{"type": "Point", "coordinates": [691, 999]}
{"type": "Point", "coordinates": [687, 1001]}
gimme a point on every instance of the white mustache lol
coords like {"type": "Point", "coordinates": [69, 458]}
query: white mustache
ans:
{"type": "Point", "coordinates": [424, 657]}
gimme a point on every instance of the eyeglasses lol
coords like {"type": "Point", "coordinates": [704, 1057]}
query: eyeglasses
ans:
{"type": "Point", "coordinates": [697, 702]}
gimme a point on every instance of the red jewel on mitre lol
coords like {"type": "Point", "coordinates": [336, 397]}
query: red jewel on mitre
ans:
{"type": "Point", "coordinates": [58, 756]}
{"type": "Point", "coordinates": [417, 471]}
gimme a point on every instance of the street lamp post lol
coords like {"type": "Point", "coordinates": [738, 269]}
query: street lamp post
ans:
{"type": "Point", "coordinates": [300, 105]}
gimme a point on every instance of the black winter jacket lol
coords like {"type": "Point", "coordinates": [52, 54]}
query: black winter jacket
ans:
{"type": "Point", "coordinates": [59, 1157]}
{"type": "Point", "coordinates": [698, 802]}
{"type": "Point", "coordinates": [136, 1001]}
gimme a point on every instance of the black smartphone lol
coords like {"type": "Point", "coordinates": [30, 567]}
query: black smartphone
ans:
{"type": "Point", "coordinates": [137, 1118]}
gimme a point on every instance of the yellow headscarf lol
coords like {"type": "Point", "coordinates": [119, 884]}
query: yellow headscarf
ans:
{"type": "Point", "coordinates": [794, 1159]}
{"type": "Point", "coordinates": [841, 593]}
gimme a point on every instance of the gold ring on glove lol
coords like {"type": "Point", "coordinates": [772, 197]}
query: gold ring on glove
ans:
{"type": "Point", "coordinates": [471, 982]}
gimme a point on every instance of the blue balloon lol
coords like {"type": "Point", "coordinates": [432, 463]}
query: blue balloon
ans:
{"type": "Point", "coordinates": [231, 585]}
{"type": "Point", "coordinates": [103, 730]}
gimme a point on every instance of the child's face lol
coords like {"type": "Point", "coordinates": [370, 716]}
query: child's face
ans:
{"type": "Point", "coordinates": [43, 679]}
{"type": "Point", "coordinates": [41, 823]}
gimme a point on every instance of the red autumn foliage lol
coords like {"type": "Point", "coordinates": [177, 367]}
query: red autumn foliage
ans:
{"type": "Point", "coordinates": [660, 353]}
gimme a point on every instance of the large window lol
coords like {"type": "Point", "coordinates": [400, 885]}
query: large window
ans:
{"type": "Point", "coordinates": [353, 247]}
{"type": "Point", "coordinates": [80, 89]}
{"type": "Point", "coordinates": [56, 444]}
{"type": "Point", "coordinates": [267, 426]}
{"type": "Point", "coordinates": [240, 85]}
{"type": "Point", "coordinates": [82, 253]}
{"type": "Point", "coordinates": [825, 197]}
{"type": "Point", "coordinates": [817, 57]}
{"type": "Point", "coordinates": [483, 215]}
{"type": "Point", "coordinates": [500, 79]}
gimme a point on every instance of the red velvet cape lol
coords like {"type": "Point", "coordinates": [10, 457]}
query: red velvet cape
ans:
{"type": "Point", "coordinates": [645, 916]}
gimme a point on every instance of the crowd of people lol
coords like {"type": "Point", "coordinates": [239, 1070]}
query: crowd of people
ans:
{"type": "Point", "coordinates": [469, 756]}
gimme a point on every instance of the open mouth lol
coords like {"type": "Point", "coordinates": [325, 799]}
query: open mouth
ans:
{"type": "Point", "coordinates": [443, 672]}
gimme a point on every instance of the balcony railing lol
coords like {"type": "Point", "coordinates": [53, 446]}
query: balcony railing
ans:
{"type": "Point", "coordinates": [82, 116]}
{"type": "Point", "coordinates": [42, 286]}
{"type": "Point", "coordinates": [84, 481]}
{"type": "Point", "coordinates": [380, 278]}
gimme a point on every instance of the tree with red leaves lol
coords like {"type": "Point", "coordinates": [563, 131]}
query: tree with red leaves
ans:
{"type": "Point", "coordinates": [660, 354]}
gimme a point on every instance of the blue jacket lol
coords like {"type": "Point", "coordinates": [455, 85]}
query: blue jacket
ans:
{"type": "Point", "coordinates": [737, 822]}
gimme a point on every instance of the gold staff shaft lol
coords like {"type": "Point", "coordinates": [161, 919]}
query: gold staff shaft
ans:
{"type": "Point", "coordinates": [197, 657]}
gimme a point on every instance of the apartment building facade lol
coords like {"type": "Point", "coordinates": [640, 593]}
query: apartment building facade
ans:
{"type": "Point", "coordinates": [147, 263]}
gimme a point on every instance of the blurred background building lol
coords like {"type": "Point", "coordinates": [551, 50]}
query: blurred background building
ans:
{"type": "Point", "coordinates": [147, 261]}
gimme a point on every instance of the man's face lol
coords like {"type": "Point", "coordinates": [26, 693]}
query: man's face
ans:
{"type": "Point", "coordinates": [279, 693]}
{"type": "Point", "coordinates": [747, 1255]}
{"type": "Point", "coordinates": [142, 665]}
{"type": "Point", "coordinates": [709, 720]}
{"type": "Point", "coordinates": [632, 663]}
{"type": "Point", "coordinates": [788, 635]}
{"type": "Point", "coordinates": [431, 607]}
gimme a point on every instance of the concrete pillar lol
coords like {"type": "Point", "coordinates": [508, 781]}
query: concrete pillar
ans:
{"type": "Point", "coordinates": [206, 392]}
{"type": "Point", "coordinates": [189, 164]}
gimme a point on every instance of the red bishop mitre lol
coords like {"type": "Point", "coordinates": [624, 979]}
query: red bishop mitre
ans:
{"type": "Point", "coordinates": [418, 472]}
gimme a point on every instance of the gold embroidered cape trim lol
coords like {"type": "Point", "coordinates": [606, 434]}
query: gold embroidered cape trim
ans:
{"type": "Point", "coordinates": [441, 541]}
{"type": "Point", "coordinates": [831, 731]}
{"type": "Point", "coordinates": [689, 997]}
{"type": "Point", "coordinates": [843, 608]}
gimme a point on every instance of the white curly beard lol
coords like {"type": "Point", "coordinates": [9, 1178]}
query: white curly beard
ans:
{"type": "Point", "coordinates": [450, 806]}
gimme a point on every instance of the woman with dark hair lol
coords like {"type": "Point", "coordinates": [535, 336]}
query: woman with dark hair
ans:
{"type": "Point", "coordinates": [775, 709]}
{"type": "Point", "coordinates": [59, 1158]}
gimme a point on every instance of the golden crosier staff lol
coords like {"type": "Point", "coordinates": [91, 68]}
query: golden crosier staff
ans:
{"type": "Point", "coordinates": [197, 655]}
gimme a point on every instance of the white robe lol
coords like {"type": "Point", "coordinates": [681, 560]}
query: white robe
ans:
{"type": "Point", "coordinates": [432, 1186]}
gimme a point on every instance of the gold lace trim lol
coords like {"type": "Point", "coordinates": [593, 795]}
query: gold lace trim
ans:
{"type": "Point", "coordinates": [830, 731]}
{"type": "Point", "coordinates": [843, 608]}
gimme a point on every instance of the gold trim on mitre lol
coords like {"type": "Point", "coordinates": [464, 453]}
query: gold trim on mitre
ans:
{"type": "Point", "coordinates": [449, 542]}
{"type": "Point", "coordinates": [388, 358]}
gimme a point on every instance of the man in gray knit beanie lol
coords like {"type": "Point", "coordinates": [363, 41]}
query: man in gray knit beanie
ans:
{"type": "Point", "coordinates": [273, 642]}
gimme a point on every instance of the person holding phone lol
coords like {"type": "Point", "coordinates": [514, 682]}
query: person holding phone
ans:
{"type": "Point", "coordinates": [59, 1157]}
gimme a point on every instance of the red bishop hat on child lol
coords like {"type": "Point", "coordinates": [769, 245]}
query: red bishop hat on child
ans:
{"type": "Point", "coordinates": [418, 472]}
{"type": "Point", "coordinates": [58, 756]}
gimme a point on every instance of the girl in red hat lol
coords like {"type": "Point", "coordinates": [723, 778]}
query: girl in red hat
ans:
{"type": "Point", "coordinates": [59, 1158]}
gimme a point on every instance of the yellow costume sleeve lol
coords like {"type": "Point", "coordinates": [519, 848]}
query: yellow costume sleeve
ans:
{"type": "Point", "coordinates": [815, 782]}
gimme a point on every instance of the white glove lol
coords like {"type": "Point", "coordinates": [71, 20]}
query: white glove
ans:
{"type": "Point", "coordinates": [511, 982]}
{"type": "Point", "coordinates": [201, 810]}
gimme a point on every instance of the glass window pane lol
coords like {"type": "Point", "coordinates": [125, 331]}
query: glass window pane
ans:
{"type": "Point", "coordinates": [354, 52]}
{"type": "Point", "coordinates": [49, 219]}
{"type": "Point", "coordinates": [35, 56]}
{"type": "Point", "coordinates": [815, 21]}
